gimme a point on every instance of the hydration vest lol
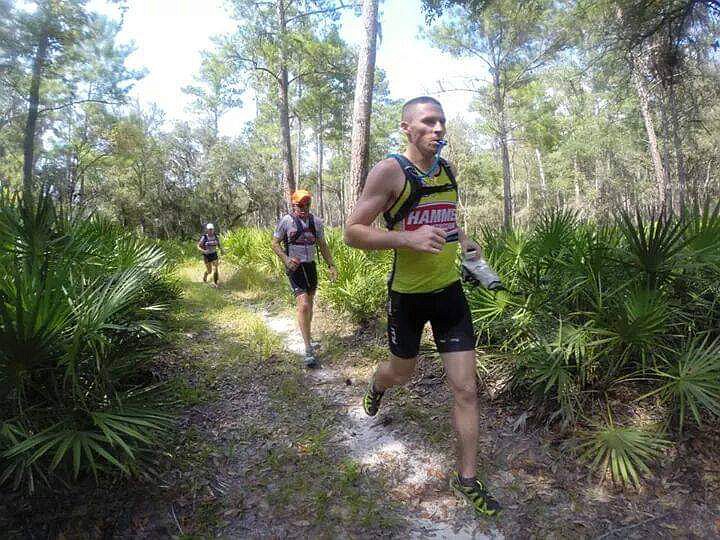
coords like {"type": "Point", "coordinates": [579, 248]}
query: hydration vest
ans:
{"type": "Point", "coordinates": [430, 200]}
{"type": "Point", "coordinates": [204, 240]}
{"type": "Point", "coordinates": [418, 189]}
{"type": "Point", "coordinates": [299, 230]}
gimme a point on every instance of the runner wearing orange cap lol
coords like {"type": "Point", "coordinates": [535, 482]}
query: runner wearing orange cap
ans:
{"type": "Point", "coordinates": [294, 241]}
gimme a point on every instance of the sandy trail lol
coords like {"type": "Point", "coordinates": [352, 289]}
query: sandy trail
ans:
{"type": "Point", "coordinates": [417, 473]}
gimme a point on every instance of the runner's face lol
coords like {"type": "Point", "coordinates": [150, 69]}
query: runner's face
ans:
{"type": "Point", "coordinates": [302, 209]}
{"type": "Point", "coordinates": [425, 127]}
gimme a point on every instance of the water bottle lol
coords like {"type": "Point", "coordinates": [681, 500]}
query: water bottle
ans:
{"type": "Point", "coordinates": [478, 271]}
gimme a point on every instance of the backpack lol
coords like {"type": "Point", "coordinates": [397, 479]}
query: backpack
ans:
{"type": "Point", "coordinates": [299, 230]}
{"type": "Point", "coordinates": [418, 189]}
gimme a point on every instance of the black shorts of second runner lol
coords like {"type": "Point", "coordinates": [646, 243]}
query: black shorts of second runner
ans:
{"type": "Point", "coordinates": [448, 313]}
{"type": "Point", "coordinates": [304, 278]}
{"type": "Point", "coordinates": [210, 257]}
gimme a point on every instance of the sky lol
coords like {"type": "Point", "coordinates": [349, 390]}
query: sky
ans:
{"type": "Point", "coordinates": [169, 36]}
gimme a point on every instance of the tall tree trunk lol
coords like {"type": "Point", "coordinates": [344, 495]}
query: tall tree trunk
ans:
{"type": "Point", "coordinates": [600, 176]}
{"type": "Point", "coordinates": [342, 204]}
{"type": "Point", "coordinates": [576, 182]}
{"type": "Point", "coordinates": [662, 179]}
{"type": "Point", "coordinates": [504, 151]}
{"type": "Point", "coordinates": [661, 174]}
{"type": "Point", "coordinates": [299, 140]}
{"type": "Point", "coordinates": [320, 151]}
{"type": "Point", "coordinates": [297, 151]}
{"type": "Point", "coordinates": [679, 154]}
{"type": "Point", "coordinates": [32, 116]}
{"type": "Point", "coordinates": [667, 198]}
{"type": "Point", "coordinates": [528, 192]}
{"type": "Point", "coordinates": [359, 149]}
{"type": "Point", "coordinates": [513, 183]}
{"type": "Point", "coordinates": [706, 186]}
{"type": "Point", "coordinates": [541, 171]}
{"type": "Point", "coordinates": [283, 102]}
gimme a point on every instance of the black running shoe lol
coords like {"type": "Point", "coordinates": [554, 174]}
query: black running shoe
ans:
{"type": "Point", "coordinates": [477, 495]}
{"type": "Point", "coordinates": [311, 360]}
{"type": "Point", "coordinates": [371, 400]}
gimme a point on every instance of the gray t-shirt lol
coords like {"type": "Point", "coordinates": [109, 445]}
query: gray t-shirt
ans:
{"type": "Point", "coordinates": [304, 247]}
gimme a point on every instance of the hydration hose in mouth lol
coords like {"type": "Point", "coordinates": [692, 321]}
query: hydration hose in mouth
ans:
{"type": "Point", "coordinates": [435, 167]}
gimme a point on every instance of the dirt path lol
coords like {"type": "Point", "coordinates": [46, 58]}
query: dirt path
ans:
{"type": "Point", "coordinates": [418, 474]}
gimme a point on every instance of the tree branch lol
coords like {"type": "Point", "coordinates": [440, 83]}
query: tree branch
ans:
{"type": "Point", "coordinates": [257, 67]}
{"type": "Point", "coordinates": [71, 103]}
{"type": "Point", "coordinates": [319, 12]}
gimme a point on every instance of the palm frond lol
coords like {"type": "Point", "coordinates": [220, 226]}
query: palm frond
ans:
{"type": "Point", "coordinates": [691, 382]}
{"type": "Point", "coordinates": [77, 303]}
{"type": "Point", "coordinates": [653, 243]}
{"type": "Point", "coordinates": [622, 452]}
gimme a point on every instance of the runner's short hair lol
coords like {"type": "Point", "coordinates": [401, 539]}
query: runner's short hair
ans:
{"type": "Point", "coordinates": [418, 101]}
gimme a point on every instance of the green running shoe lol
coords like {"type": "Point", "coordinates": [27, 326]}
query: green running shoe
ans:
{"type": "Point", "coordinates": [477, 495]}
{"type": "Point", "coordinates": [371, 400]}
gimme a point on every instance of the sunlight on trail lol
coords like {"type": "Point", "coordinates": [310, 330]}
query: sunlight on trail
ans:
{"type": "Point", "coordinates": [287, 328]}
{"type": "Point", "coordinates": [416, 472]}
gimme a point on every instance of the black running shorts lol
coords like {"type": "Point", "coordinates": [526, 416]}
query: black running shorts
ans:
{"type": "Point", "coordinates": [448, 313]}
{"type": "Point", "coordinates": [210, 257]}
{"type": "Point", "coordinates": [304, 278]}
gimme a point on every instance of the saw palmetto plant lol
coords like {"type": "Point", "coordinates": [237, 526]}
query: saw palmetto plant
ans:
{"type": "Point", "coordinates": [80, 295]}
{"type": "Point", "coordinates": [630, 306]}
{"type": "Point", "coordinates": [623, 453]}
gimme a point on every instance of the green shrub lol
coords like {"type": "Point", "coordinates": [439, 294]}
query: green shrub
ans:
{"type": "Point", "coordinates": [179, 251]}
{"type": "Point", "coordinates": [251, 248]}
{"type": "Point", "coordinates": [361, 286]}
{"type": "Point", "coordinates": [629, 306]}
{"type": "Point", "coordinates": [622, 452]}
{"type": "Point", "coordinates": [81, 298]}
{"type": "Point", "coordinates": [690, 383]}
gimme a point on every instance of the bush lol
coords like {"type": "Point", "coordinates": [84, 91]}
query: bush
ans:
{"type": "Point", "coordinates": [630, 307]}
{"type": "Point", "coordinates": [81, 298]}
{"type": "Point", "coordinates": [361, 286]}
{"type": "Point", "coordinates": [250, 249]}
{"type": "Point", "coordinates": [179, 251]}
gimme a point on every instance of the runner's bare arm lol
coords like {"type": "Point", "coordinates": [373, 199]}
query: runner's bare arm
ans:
{"type": "Point", "coordinates": [382, 186]}
{"type": "Point", "coordinates": [325, 250]}
{"type": "Point", "coordinates": [280, 252]}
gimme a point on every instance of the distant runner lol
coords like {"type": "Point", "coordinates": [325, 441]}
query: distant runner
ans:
{"type": "Point", "coordinates": [417, 194]}
{"type": "Point", "coordinates": [209, 244]}
{"type": "Point", "coordinates": [294, 242]}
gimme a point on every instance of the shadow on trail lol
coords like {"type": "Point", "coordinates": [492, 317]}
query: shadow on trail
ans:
{"type": "Point", "coordinates": [267, 461]}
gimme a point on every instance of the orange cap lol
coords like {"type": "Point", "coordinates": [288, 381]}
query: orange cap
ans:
{"type": "Point", "coordinates": [299, 196]}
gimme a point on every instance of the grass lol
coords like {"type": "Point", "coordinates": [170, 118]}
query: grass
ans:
{"type": "Point", "coordinates": [281, 432]}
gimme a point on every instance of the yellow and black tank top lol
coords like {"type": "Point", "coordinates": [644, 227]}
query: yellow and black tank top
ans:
{"type": "Point", "coordinates": [416, 272]}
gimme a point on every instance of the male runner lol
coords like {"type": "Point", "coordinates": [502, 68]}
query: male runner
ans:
{"type": "Point", "coordinates": [298, 233]}
{"type": "Point", "coordinates": [208, 245]}
{"type": "Point", "coordinates": [425, 282]}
